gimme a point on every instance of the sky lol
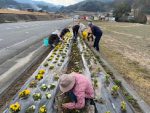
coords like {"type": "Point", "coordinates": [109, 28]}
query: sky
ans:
{"type": "Point", "coordinates": [62, 2]}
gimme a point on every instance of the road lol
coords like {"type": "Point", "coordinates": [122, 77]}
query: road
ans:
{"type": "Point", "coordinates": [14, 37]}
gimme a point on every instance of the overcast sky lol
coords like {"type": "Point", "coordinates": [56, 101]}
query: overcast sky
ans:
{"type": "Point", "coordinates": [62, 2]}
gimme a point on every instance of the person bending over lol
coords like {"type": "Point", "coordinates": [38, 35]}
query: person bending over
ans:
{"type": "Point", "coordinates": [64, 32]}
{"type": "Point", "coordinates": [78, 87]}
{"type": "Point", "coordinates": [97, 32]}
{"type": "Point", "coordinates": [75, 29]}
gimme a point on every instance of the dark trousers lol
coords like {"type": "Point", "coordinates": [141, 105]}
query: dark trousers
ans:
{"type": "Point", "coordinates": [96, 42]}
{"type": "Point", "coordinates": [90, 37]}
{"type": "Point", "coordinates": [75, 35]}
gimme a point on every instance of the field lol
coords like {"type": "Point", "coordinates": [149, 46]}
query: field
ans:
{"type": "Point", "coordinates": [126, 47]}
{"type": "Point", "coordinates": [5, 11]}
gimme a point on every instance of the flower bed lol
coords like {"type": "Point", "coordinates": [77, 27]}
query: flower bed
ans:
{"type": "Point", "coordinates": [37, 94]}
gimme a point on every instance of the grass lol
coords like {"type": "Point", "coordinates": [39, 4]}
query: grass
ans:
{"type": "Point", "coordinates": [127, 47]}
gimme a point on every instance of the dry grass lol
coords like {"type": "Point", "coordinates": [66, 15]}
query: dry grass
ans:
{"type": "Point", "coordinates": [6, 11]}
{"type": "Point", "coordinates": [127, 47]}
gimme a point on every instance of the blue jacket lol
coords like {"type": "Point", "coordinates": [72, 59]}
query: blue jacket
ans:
{"type": "Point", "coordinates": [96, 30]}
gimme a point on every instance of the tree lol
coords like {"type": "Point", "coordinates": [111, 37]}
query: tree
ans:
{"type": "Point", "coordinates": [121, 10]}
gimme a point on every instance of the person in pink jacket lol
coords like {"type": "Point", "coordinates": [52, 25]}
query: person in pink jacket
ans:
{"type": "Point", "coordinates": [79, 89]}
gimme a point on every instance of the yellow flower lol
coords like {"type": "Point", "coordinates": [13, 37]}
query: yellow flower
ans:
{"type": "Point", "coordinates": [42, 71]}
{"type": "Point", "coordinates": [15, 107]}
{"type": "Point", "coordinates": [42, 109]}
{"type": "Point", "coordinates": [39, 77]}
{"type": "Point", "coordinates": [24, 93]}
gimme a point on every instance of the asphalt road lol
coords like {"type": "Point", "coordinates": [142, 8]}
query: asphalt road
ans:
{"type": "Point", "coordinates": [15, 37]}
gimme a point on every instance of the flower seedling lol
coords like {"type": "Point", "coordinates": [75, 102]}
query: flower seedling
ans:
{"type": "Point", "coordinates": [43, 109]}
{"type": "Point", "coordinates": [43, 87]}
{"type": "Point", "coordinates": [42, 71]}
{"type": "Point", "coordinates": [33, 84]}
{"type": "Point", "coordinates": [62, 60]}
{"type": "Point", "coordinates": [37, 96]}
{"type": "Point", "coordinates": [123, 106]}
{"type": "Point", "coordinates": [95, 83]}
{"type": "Point", "coordinates": [56, 77]}
{"type": "Point", "coordinates": [45, 64]}
{"type": "Point", "coordinates": [60, 64]}
{"type": "Point", "coordinates": [114, 91]}
{"type": "Point", "coordinates": [51, 67]}
{"type": "Point", "coordinates": [57, 58]}
{"type": "Point", "coordinates": [39, 77]}
{"type": "Point", "coordinates": [30, 109]}
{"type": "Point", "coordinates": [54, 62]}
{"type": "Point", "coordinates": [118, 82]}
{"type": "Point", "coordinates": [15, 108]}
{"type": "Point", "coordinates": [48, 96]}
{"type": "Point", "coordinates": [51, 86]}
{"type": "Point", "coordinates": [24, 94]}
{"type": "Point", "coordinates": [107, 79]}
{"type": "Point", "coordinates": [50, 59]}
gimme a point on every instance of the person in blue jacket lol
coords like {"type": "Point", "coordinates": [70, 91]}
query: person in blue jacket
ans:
{"type": "Point", "coordinates": [97, 32]}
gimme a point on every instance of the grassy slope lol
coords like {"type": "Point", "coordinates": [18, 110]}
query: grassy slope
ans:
{"type": "Point", "coordinates": [127, 47]}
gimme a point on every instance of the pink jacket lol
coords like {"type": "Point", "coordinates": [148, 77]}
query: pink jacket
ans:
{"type": "Point", "coordinates": [83, 89]}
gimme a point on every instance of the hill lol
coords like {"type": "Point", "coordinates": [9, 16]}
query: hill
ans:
{"type": "Point", "coordinates": [89, 5]}
{"type": "Point", "coordinates": [40, 5]}
{"type": "Point", "coordinates": [14, 4]}
{"type": "Point", "coordinates": [24, 4]}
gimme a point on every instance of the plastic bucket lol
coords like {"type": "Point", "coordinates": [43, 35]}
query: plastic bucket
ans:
{"type": "Point", "coordinates": [45, 42]}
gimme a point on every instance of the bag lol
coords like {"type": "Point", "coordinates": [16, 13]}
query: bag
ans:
{"type": "Point", "coordinates": [45, 42]}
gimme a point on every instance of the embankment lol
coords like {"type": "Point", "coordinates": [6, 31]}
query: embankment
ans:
{"type": "Point", "coordinates": [7, 16]}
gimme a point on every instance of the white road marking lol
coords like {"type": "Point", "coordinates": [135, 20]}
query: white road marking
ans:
{"type": "Point", "coordinates": [17, 27]}
{"type": "Point", "coordinates": [27, 32]}
{"type": "Point", "coordinates": [18, 43]}
{"type": "Point", "coordinates": [1, 39]}
{"type": "Point", "coordinates": [25, 26]}
{"type": "Point", "coordinates": [8, 28]}
{"type": "Point", "coordinates": [13, 45]}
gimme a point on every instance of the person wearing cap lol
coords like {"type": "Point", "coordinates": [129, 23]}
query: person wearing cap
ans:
{"type": "Point", "coordinates": [97, 32]}
{"type": "Point", "coordinates": [78, 87]}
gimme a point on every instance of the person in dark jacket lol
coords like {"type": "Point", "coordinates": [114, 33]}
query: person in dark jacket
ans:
{"type": "Point", "coordinates": [97, 32]}
{"type": "Point", "coordinates": [63, 32]}
{"type": "Point", "coordinates": [75, 29]}
{"type": "Point", "coordinates": [53, 40]}
{"type": "Point", "coordinates": [56, 37]}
